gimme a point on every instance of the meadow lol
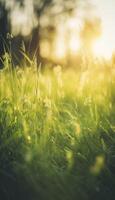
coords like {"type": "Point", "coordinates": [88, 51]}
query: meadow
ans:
{"type": "Point", "coordinates": [57, 133]}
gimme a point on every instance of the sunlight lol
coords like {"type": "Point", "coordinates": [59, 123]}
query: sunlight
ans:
{"type": "Point", "coordinates": [67, 39]}
{"type": "Point", "coordinates": [57, 99]}
{"type": "Point", "coordinates": [103, 48]}
{"type": "Point", "coordinates": [106, 44]}
{"type": "Point", "coordinates": [74, 44]}
{"type": "Point", "coordinates": [60, 50]}
{"type": "Point", "coordinates": [73, 40]}
{"type": "Point", "coordinates": [71, 23]}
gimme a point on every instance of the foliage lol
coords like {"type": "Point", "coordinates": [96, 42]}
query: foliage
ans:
{"type": "Point", "coordinates": [57, 133]}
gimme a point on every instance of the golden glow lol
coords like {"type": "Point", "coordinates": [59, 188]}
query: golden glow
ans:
{"type": "Point", "coordinates": [72, 23]}
{"type": "Point", "coordinates": [60, 50]}
{"type": "Point", "coordinates": [105, 45]}
{"type": "Point", "coordinates": [103, 48]}
{"type": "Point", "coordinates": [74, 45]}
{"type": "Point", "coordinates": [24, 20]}
{"type": "Point", "coordinates": [72, 39]}
{"type": "Point", "coordinates": [106, 11]}
{"type": "Point", "coordinates": [62, 46]}
{"type": "Point", "coordinates": [45, 49]}
{"type": "Point", "coordinates": [67, 39]}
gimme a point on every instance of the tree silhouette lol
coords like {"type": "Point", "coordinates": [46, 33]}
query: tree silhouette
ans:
{"type": "Point", "coordinates": [4, 27]}
{"type": "Point", "coordinates": [41, 8]}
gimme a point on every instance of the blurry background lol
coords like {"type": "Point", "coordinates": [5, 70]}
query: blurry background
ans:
{"type": "Point", "coordinates": [57, 31]}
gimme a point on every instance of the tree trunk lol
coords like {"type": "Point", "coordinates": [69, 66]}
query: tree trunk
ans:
{"type": "Point", "coordinates": [4, 28]}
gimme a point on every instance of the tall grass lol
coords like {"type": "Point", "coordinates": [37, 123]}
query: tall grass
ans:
{"type": "Point", "coordinates": [57, 133]}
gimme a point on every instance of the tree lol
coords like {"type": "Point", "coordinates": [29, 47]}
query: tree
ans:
{"type": "Point", "coordinates": [49, 8]}
{"type": "Point", "coordinates": [41, 8]}
{"type": "Point", "coordinates": [4, 27]}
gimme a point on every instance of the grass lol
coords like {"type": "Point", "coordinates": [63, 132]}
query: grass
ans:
{"type": "Point", "coordinates": [57, 133]}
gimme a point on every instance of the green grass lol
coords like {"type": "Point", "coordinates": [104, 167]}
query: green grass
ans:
{"type": "Point", "coordinates": [57, 134]}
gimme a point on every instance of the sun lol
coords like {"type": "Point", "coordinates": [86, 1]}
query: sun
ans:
{"type": "Point", "coordinates": [103, 48]}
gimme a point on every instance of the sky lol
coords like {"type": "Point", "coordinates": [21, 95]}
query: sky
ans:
{"type": "Point", "coordinates": [106, 10]}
